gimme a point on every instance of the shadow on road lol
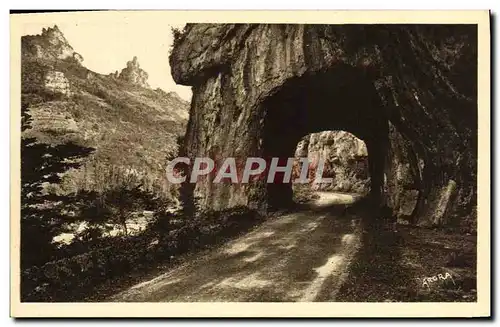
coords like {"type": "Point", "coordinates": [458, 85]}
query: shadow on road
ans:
{"type": "Point", "coordinates": [300, 256]}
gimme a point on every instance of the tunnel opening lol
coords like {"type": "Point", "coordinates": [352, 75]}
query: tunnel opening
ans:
{"type": "Point", "coordinates": [342, 98]}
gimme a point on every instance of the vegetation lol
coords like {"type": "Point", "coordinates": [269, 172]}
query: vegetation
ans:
{"type": "Point", "coordinates": [42, 213]}
{"type": "Point", "coordinates": [47, 209]}
{"type": "Point", "coordinates": [178, 34]}
{"type": "Point", "coordinates": [92, 165]}
{"type": "Point", "coordinates": [74, 278]}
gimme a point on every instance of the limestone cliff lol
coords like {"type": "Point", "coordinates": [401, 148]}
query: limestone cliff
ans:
{"type": "Point", "coordinates": [408, 91]}
{"type": "Point", "coordinates": [50, 45]}
{"type": "Point", "coordinates": [56, 82]}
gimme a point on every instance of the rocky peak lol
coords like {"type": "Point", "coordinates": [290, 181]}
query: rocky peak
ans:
{"type": "Point", "coordinates": [133, 74]}
{"type": "Point", "coordinates": [50, 45]}
{"type": "Point", "coordinates": [54, 35]}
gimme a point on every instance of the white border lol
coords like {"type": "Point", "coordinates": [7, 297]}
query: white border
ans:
{"type": "Point", "coordinates": [232, 309]}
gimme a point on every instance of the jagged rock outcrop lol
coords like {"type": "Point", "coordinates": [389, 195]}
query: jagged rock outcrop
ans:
{"type": "Point", "coordinates": [133, 74]}
{"type": "Point", "coordinates": [50, 45]}
{"type": "Point", "coordinates": [345, 157]}
{"type": "Point", "coordinates": [115, 75]}
{"type": "Point", "coordinates": [408, 91]}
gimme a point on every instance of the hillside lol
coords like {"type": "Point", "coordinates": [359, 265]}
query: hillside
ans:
{"type": "Point", "coordinates": [132, 127]}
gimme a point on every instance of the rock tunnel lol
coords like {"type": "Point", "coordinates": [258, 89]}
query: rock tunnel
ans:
{"type": "Point", "coordinates": [408, 91]}
{"type": "Point", "coordinates": [340, 98]}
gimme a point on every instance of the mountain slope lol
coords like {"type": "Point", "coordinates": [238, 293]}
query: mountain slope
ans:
{"type": "Point", "coordinates": [132, 127]}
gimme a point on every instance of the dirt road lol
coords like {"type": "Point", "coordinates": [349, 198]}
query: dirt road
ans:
{"type": "Point", "coordinates": [302, 256]}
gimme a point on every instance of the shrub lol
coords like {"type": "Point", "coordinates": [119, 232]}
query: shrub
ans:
{"type": "Point", "coordinates": [72, 279]}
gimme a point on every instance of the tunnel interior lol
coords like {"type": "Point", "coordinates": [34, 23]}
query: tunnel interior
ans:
{"type": "Point", "coordinates": [339, 99]}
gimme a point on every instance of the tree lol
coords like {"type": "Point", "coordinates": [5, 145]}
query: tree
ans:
{"type": "Point", "coordinates": [42, 213]}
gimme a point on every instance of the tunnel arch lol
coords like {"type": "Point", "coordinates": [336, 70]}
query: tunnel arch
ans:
{"type": "Point", "coordinates": [340, 98]}
{"type": "Point", "coordinates": [432, 157]}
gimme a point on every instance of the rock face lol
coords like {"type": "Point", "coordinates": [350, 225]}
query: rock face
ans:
{"type": "Point", "coordinates": [54, 123]}
{"type": "Point", "coordinates": [345, 157]}
{"type": "Point", "coordinates": [56, 82]}
{"type": "Point", "coordinates": [49, 45]}
{"type": "Point", "coordinates": [408, 91]}
{"type": "Point", "coordinates": [133, 74]}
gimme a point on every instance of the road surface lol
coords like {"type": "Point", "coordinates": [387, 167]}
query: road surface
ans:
{"type": "Point", "coordinates": [301, 256]}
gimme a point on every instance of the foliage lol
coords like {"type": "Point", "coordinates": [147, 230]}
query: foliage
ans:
{"type": "Point", "coordinates": [115, 182]}
{"type": "Point", "coordinates": [42, 214]}
{"type": "Point", "coordinates": [92, 257]}
{"type": "Point", "coordinates": [74, 278]}
{"type": "Point", "coordinates": [178, 34]}
{"type": "Point", "coordinates": [98, 174]}
{"type": "Point", "coordinates": [130, 127]}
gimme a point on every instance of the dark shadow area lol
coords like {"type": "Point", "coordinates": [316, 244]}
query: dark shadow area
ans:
{"type": "Point", "coordinates": [376, 274]}
{"type": "Point", "coordinates": [410, 264]}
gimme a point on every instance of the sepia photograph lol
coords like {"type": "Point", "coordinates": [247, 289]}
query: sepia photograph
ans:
{"type": "Point", "coordinates": [201, 164]}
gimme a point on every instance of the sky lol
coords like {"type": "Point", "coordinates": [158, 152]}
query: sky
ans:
{"type": "Point", "coordinates": [106, 45]}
